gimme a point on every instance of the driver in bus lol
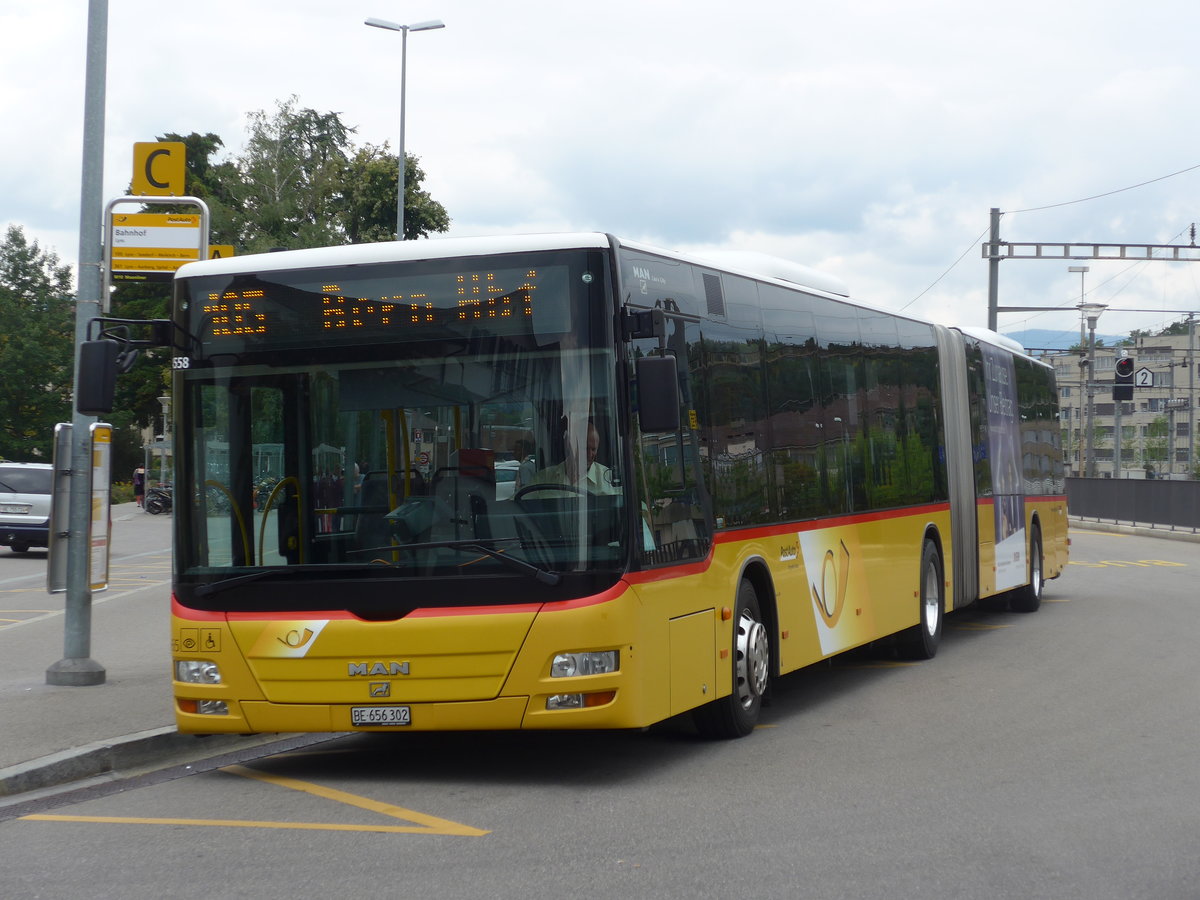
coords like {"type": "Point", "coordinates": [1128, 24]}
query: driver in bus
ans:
{"type": "Point", "coordinates": [596, 478]}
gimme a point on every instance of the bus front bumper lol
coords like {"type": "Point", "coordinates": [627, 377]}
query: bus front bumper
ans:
{"type": "Point", "coordinates": [500, 714]}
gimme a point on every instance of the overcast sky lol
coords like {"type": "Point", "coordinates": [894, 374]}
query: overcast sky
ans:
{"type": "Point", "coordinates": [866, 138]}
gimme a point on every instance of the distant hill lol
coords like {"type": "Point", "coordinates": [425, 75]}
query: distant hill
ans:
{"type": "Point", "coordinates": [1045, 339]}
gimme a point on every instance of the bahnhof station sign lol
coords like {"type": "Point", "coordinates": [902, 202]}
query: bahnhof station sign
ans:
{"type": "Point", "coordinates": [151, 246]}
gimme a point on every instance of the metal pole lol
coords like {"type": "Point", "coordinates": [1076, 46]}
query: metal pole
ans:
{"type": "Point", "coordinates": [404, 30]}
{"type": "Point", "coordinates": [1118, 468]}
{"type": "Point", "coordinates": [1090, 471]}
{"type": "Point", "coordinates": [1171, 423]}
{"type": "Point", "coordinates": [994, 272]}
{"type": "Point", "coordinates": [1191, 473]}
{"type": "Point", "coordinates": [76, 668]}
{"type": "Point", "coordinates": [400, 177]}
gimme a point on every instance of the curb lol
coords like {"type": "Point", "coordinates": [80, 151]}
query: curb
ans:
{"type": "Point", "coordinates": [144, 748]}
{"type": "Point", "coordinates": [1140, 530]}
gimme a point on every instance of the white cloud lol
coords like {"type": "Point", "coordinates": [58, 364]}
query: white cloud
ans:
{"type": "Point", "coordinates": [868, 138]}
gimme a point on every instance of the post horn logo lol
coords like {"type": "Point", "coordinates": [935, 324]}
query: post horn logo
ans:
{"type": "Point", "coordinates": [296, 638]}
{"type": "Point", "coordinates": [830, 597]}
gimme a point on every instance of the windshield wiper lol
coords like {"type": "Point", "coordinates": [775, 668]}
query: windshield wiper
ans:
{"type": "Point", "coordinates": [214, 587]}
{"type": "Point", "coordinates": [479, 546]}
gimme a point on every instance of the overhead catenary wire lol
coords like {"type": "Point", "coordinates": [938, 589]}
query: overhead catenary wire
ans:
{"type": "Point", "coordinates": [971, 246]}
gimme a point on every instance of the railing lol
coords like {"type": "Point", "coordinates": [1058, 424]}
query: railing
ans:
{"type": "Point", "coordinates": [1163, 504]}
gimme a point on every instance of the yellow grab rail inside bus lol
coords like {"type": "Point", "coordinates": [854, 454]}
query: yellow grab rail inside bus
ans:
{"type": "Point", "coordinates": [247, 546]}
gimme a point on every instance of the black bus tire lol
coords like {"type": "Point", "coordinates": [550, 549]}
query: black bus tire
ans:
{"type": "Point", "coordinates": [736, 715]}
{"type": "Point", "coordinates": [922, 640]}
{"type": "Point", "coordinates": [1027, 599]}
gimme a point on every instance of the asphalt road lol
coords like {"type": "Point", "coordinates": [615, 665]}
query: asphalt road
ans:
{"type": "Point", "coordinates": [1049, 755]}
{"type": "Point", "coordinates": [140, 557]}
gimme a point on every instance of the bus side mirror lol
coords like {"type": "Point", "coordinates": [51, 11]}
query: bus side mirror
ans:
{"type": "Point", "coordinates": [658, 394]}
{"type": "Point", "coordinates": [97, 377]}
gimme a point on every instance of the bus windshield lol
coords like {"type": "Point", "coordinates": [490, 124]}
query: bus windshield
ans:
{"type": "Point", "coordinates": [459, 446]}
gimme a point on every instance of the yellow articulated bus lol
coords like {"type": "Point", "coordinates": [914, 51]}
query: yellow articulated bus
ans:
{"type": "Point", "coordinates": [570, 481]}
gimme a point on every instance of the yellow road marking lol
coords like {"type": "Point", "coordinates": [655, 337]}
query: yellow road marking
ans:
{"type": "Point", "coordinates": [424, 824]}
{"type": "Point", "coordinates": [431, 824]}
{"type": "Point", "coordinates": [244, 823]}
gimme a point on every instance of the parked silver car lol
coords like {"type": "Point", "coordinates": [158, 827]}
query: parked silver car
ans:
{"type": "Point", "coordinates": [25, 490]}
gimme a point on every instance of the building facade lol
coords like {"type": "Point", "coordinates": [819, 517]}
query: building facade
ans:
{"type": "Point", "coordinates": [1154, 434]}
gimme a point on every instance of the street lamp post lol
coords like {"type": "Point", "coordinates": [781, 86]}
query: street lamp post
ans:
{"type": "Point", "coordinates": [1084, 378]}
{"type": "Point", "coordinates": [404, 30]}
{"type": "Point", "coordinates": [1092, 312]}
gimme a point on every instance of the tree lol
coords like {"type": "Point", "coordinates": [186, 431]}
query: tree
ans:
{"type": "Point", "coordinates": [213, 181]}
{"type": "Point", "coordinates": [1154, 446]}
{"type": "Point", "coordinates": [290, 179]}
{"type": "Point", "coordinates": [301, 183]}
{"type": "Point", "coordinates": [370, 200]}
{"type": "Point", "coordinates": [1180, 327]}
{"type": "Point", "coordinates": [36, 347]}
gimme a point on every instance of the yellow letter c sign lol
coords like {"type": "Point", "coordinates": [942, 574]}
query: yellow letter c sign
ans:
{"type": "Point", "coordinates": [158, 169]}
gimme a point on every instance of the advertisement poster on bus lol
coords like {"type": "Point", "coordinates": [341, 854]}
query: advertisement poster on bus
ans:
{"type": "Point", "coordinates": [1004, 451]}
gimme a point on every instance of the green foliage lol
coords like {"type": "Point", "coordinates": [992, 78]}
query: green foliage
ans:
{"type": "Point", "coordinates": [302, 183]}
{"type": "Point", "coordinates": [1175, 328]}
{"type": "Point", "coordinates": [213, 181]}
{"type": "Point", "coordinates": [370, 200]}
{"type": "Point", "coordinates": [1154, 445]}
{"type": "Point", "coordinates": [291, 177]}
{"type": "Point", "coordinates": [299, 182]}
{"type": "Point", "coordinates": [36, 343]}
{"type": "Point", "coordinates": [1180, 327]}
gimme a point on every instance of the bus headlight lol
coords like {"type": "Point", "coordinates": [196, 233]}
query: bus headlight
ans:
{"type": "Point", "coordinates": [197, 671]}
{"type": "Point", "coordinates": [568, 665]}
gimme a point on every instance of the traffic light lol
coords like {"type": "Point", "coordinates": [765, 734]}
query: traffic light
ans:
{"type": "Point", "coordinates": [1123, 381]}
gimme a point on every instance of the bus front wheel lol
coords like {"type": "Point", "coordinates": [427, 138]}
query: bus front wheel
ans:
{"type": "Point", "coordinates": [736, 715]}
{"type": "Point", "coordinates": [922, 640]}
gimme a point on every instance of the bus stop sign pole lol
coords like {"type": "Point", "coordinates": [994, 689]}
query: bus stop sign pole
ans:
{"type": "Point", "coordinates": [77, 668]}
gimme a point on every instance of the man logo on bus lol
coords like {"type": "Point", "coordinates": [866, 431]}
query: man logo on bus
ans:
{"type": "Point", "coordinates": [378, 668]}
{"type": "Point", "coordinates": [830, 598]}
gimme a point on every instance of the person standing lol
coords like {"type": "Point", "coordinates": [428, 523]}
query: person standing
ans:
{"type": "Point", "coordinates": [139, 486]}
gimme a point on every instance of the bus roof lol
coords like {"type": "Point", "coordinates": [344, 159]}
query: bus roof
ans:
{"type": "Point", "coordinates": [758, 265]}
{"type": "Point", "coordinates": [748, 263]}
{"type": "Point", "coordinates": [394, 251]}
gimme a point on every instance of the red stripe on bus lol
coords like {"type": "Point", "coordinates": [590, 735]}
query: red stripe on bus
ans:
{"type": "Point", "coordinates": [644, 576]}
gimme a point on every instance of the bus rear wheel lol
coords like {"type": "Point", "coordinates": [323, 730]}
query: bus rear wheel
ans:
{"type": "Point", "coordinates": [736, 715]}
{"type": "Point", "coordinates": [1027, 599]}
{"type": "Point", "coordinates": [922, 640]}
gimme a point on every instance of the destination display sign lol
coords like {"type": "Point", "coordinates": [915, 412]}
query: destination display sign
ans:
{"type": "Point", "coordinates": [359, 305]}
